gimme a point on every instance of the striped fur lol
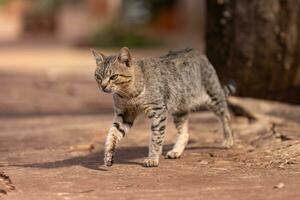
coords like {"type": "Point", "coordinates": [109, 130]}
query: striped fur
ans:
{"type": "Point", "coordinates": [176, 83]}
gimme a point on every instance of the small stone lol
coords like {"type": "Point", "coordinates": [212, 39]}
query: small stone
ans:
{"type": "Point", "coordinates": [290, 162]}
{"type": "Point", "coordinates": [279, 185]}
{"type": "Point", "coordinates": [203, 162]}
{"type": "Point", "coordinates": [281, 166]}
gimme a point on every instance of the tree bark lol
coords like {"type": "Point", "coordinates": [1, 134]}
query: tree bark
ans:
{"type": "Point", "coordinates": [257, 44]}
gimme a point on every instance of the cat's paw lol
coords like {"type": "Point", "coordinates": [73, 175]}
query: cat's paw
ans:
{"type": "Point", "coordinates": [108, 159]}
{"type": "Point", "coordinates": [227, 144]}
{"type": "Point", "coordinates": [173, 155]}
{"type": "Point", "coordinates": [150, 162]}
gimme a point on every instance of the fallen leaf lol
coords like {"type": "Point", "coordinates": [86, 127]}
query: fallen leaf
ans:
{"type": "Point", "coordinates": [82, 147]}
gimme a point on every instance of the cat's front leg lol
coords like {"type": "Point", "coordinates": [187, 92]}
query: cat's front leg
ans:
{"type": "Point", "coordinates": [119, 129]}
{"type": "Point", "coordinates": [157, 136]}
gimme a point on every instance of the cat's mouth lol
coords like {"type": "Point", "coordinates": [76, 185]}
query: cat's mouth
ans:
{"type": "Point", "coordinates": [106, 90]}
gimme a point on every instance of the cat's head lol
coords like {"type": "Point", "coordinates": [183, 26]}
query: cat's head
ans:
{"type": "Point", "coordinates": [113, 73]}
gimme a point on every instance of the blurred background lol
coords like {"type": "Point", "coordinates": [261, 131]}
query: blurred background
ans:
{"type": "Point", "coordinates": [54, 119]}
{"type": "Point", "coordinates": [46, 66]}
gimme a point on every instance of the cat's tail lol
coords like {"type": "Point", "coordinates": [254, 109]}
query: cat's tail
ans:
{"type": "Point", "coordinates": [229, 88]}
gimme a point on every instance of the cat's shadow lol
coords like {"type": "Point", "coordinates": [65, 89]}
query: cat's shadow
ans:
{"type": "Point", "coordinates": [94, 160]}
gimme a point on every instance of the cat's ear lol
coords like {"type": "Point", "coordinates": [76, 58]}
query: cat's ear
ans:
{"type": "Point", "coordinates": [98, 56]}
{"type": "Point", "coordinates": [124, 56]}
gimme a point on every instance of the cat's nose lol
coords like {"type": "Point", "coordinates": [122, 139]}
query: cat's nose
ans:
{"type": "Point", "coordinates": [105, 89]}
{"type": "Point", "coordinates": [104, 85]}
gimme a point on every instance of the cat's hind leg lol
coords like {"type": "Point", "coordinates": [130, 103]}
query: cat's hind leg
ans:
{"type": "Point", "coordinates": [222, 112]}
{"type": "Point", "coordinates": [227, 130]}
{"type": "Point", "coordinates": [157, 136]}
{"type": "Point", "coordinates": [181, 124]}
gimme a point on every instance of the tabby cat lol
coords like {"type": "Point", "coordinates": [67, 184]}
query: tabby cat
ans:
{"type": "Point", "coordinates": [176, 83]}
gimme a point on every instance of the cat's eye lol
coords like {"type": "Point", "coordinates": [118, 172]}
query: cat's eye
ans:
{"type": "Point", "coordinates": [114, 77]}
{"type": "Point", "coordinates": [97, 77]}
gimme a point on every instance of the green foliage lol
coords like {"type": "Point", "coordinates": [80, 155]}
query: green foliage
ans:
{"type": "Point", "coordinates": [115, 37]}
{"type": "Point", "coordinates": [45, 5]}
{"type": "Point", "coordinates": [2, 2]}
{"type": "Point", "coordinates": [51, 5]}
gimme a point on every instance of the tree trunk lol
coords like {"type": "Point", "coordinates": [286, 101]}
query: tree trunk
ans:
{"type": "Point", "coordinates": [257, 44]}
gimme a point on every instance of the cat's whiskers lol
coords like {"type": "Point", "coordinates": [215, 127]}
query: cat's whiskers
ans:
{"type": "Point", "coordinates": [176, 83]}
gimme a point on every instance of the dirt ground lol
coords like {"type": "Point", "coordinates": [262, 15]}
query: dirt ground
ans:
{"type": "Point", "coordinates": [52, 131]}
